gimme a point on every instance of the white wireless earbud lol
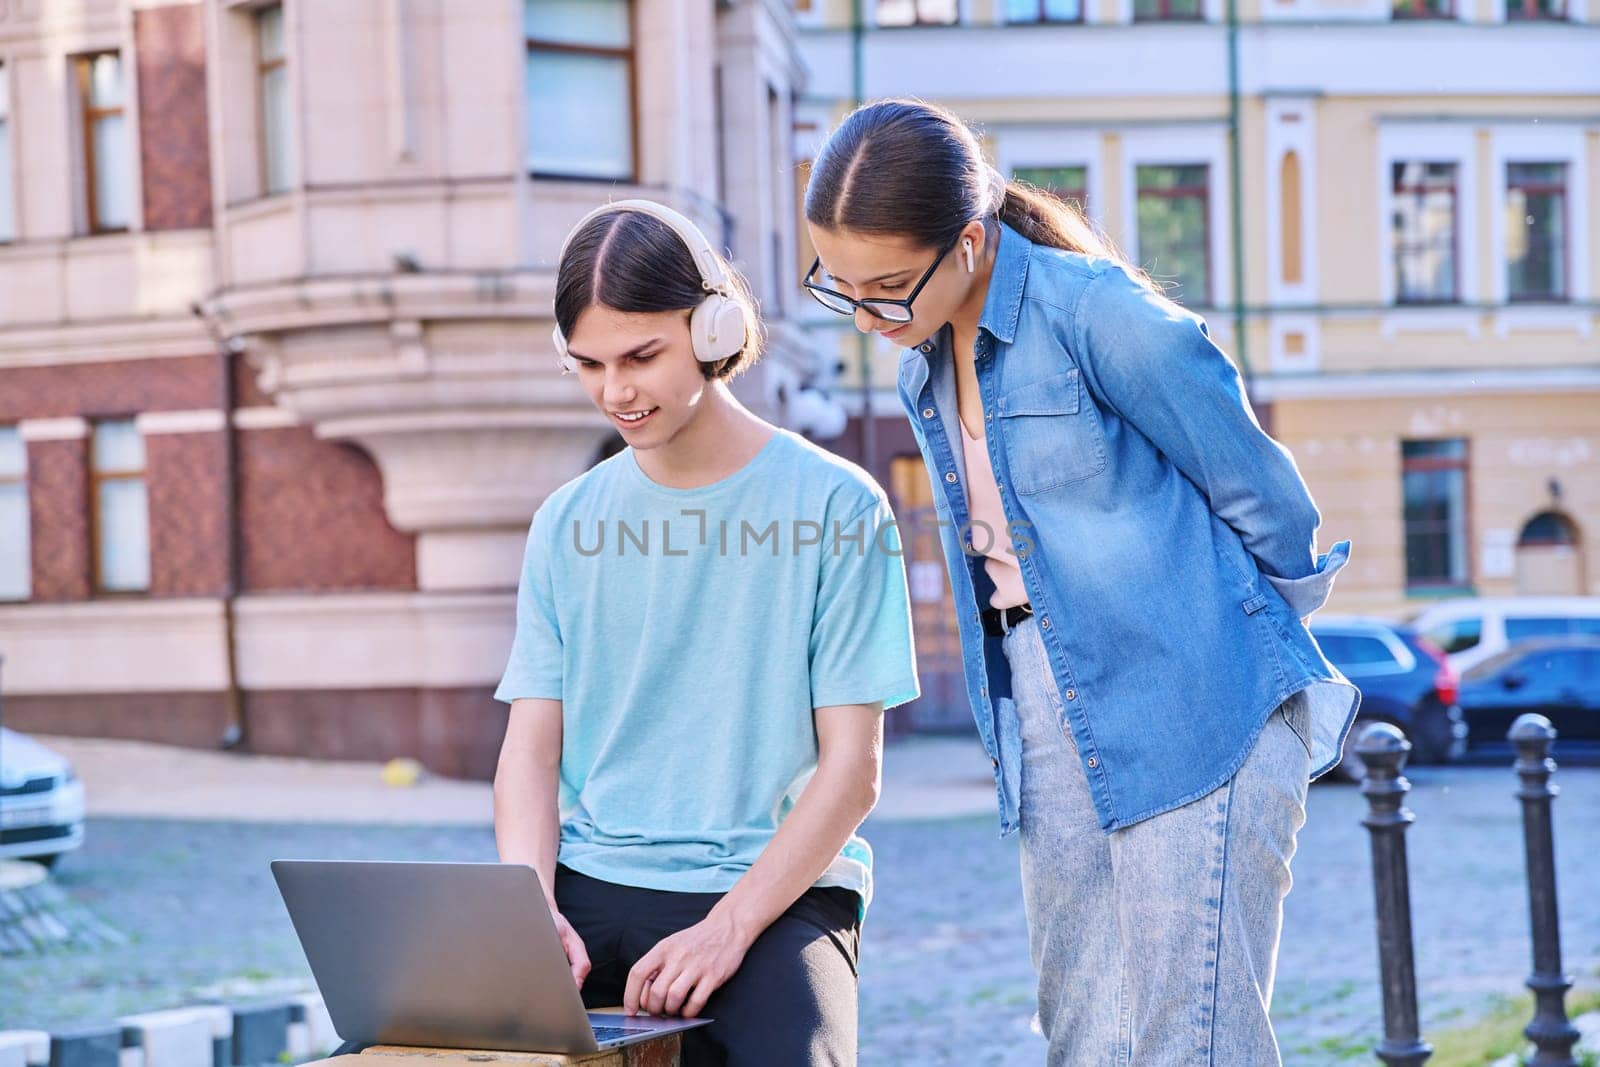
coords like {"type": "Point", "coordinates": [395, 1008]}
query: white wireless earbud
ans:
{"type": "Point", "coordinates": [966, 246]}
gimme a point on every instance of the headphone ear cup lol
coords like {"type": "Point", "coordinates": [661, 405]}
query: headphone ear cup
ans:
{"type": "Point", "coordinates": [718, 328]}
{"type": "Point", "coordinates": [559, 339]}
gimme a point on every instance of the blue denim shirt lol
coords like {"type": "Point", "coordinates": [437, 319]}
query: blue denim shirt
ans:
{"type": "Point", "coordinates": [1167, 544]}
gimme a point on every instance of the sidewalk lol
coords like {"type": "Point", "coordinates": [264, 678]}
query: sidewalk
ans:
{"type": "Point", "coordinates": [924, 778]}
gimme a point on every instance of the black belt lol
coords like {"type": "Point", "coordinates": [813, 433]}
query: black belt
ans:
{"type": "Point", "coordinates": [996, 622]}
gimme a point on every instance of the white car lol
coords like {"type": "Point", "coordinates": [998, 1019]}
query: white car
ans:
{"type": "Point", "coordinates": [1472, 629]}
{"type": "Point", "coordinates": [41, 801]}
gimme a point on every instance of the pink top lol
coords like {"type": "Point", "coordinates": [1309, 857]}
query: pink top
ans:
{"type": "Point", "coordinates": [983, 498]}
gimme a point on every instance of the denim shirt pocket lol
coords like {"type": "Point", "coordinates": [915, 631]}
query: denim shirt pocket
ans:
{"type": "Point", "coordinates": [1051, 438]}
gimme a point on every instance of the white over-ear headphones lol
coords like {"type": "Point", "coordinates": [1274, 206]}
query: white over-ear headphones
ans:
{"type": "Point", "coordinates": [717, 324]}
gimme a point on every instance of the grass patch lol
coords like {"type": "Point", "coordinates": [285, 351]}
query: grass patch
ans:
{"type": "Point", "coordinates": [1499, 1033]}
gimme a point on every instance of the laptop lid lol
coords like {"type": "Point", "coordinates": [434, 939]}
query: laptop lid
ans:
{"type": "Point", "coordinates": [442, 955]}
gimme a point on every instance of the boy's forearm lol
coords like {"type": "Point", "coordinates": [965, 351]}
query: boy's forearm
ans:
{"type": "Point", "coordinates": [527, 821]}
{"type": "Point", "coordinates": [526, 824]}
{"type": "Point", "coordinates": [837, 799]}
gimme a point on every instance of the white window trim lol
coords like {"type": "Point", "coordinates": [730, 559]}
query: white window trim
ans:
{"type": "Point", "coordinates": [1555, 144]}
{"type": "Point", "coordinates": [1056, 147]}
{"type": "Point", "coordinates": [869, 17]}
{"type": "Point", "coordinates": [13, 172]}
{"type": "Point", "coordinates": [1301, 137]}
{"type": "Point", "coordinates": [1177, 146]}
{"type": "Point", "coordinates": [1430, 143]}
{"type": "Point", "coordinates": [24, 545]}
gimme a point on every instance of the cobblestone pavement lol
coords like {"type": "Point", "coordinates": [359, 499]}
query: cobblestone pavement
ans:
{"type": "Point", "coordinates": [945, 974]}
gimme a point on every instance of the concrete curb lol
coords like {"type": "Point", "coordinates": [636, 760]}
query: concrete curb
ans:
{"type": "Point", "coordinates": [293, 1030]}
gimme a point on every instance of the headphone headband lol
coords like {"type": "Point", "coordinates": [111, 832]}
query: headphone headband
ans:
{"type": "Point", "coordinates": [717, 325]}
{"type": "Point", "coordinates": [712, 277]}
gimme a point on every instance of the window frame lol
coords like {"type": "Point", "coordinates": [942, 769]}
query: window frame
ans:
{"type": "Point", "coordinates": [88, 115]}
{"type": "Point", "coordinates": [8, 161]}
{"type": "Point", "coordinates": [97, 477]}
{"type": "Point", "coordinates": [917, 18]}
{"type": "Point", "coordinates": [1043, 17]}
{"type": "Point", "coordinates": [630, 56]}
{"type": "Point", "coordinates": [1417, 10]}
{"type": "Point", "coordinates": [1082, 200]}
{"type": "Point", "coordinates": [1164, 13]}
{"type": "Point", "coordinates": [1565, 252]}
{"type": "Point", "coordinates": [20, 479]}
{"type": "Point", "coordinates": [1457, 272]}
{"type": "Point", "coordinates": [1429, 464]}
{"type": "Point", "coordinates": [264, 67]}
{"type": "Point", "coordinates": [1177, 192]}
{"type": "Point", "coordinates": [1529, 11]}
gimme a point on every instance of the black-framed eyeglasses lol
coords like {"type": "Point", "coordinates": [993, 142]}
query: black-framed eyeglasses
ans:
{"type": "Point", "coordinates": [887, 310]}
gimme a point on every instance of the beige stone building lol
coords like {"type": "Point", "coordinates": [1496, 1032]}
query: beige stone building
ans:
{"type": "Point", "coordinates": [1389, 215]}
{"type": "Point", "coordinates": [277, 394]}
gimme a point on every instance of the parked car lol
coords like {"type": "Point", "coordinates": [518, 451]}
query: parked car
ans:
{"type": "Point", "coordinates": [1472, 629]}
{"type": "Point", "coordinates": [1404, 680]}
{"type": "Point", "coordinates": [1557, 677]}
{"type": "Point", "coordinates": [41, 801]}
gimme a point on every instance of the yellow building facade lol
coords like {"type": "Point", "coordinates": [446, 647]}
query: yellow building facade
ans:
{"type": "Point", "coordinates": [1389, 215]}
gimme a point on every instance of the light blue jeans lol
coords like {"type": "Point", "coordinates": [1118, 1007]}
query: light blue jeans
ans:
{"type": "Point", "coordinates": [1155, 945]}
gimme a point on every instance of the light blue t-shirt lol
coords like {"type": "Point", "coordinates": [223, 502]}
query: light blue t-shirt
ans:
{"type": "Point", "coordinates": [689, 634]}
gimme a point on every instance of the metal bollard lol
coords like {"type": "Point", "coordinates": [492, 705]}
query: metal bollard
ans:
{"type": "Point", "coordinates": [1384, 749]}
{"type": "Point", "coordinates": [1552, 1035]}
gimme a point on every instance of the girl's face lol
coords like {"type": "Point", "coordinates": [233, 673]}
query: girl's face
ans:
{"type": "Point", "coordinates": [640, 370]}
{"type": "Point", "coordinates": [886, 266]}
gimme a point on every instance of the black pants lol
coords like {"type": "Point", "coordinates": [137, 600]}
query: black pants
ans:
{"type": "Point", "coordinates": [791, 1003]}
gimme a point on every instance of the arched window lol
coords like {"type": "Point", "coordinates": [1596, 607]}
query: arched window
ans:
{"type": "Point", "coordinates": [1548, 528]}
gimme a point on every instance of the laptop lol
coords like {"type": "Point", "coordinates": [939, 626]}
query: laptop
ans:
{"type": "Point", "coordinates": [446, 955]}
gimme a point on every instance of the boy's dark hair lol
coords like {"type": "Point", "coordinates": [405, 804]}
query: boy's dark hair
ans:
{"type": "Point", "coordinates": [632, 262]}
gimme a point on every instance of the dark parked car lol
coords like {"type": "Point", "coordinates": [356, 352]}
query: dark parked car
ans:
{"type": "Point", "coordinates": [1558, 677]}
{"type": "Point", "coordinates": [1404, 679]}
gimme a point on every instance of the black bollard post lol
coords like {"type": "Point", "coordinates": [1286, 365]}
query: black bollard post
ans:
{"type": "Point", "coordinates": [1552, 1035]}
{"type": "Point", "coordinates": [1384, 749]}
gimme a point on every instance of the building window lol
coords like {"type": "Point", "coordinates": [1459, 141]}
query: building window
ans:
{"type": "Point", "coordinates": [1434, 481]}
{"type": "Point", "coordinates": [121, 509]}
{"type": "Point", "coordinates": [1044, 10]}
{"type": "Point", "coordinates": [8, 219]}
{"type": "Point", "coordinates": [1066, 183]}
{"type": "Point", "coordinates": [15, 558]}
{"type": "Point", "coordinates": [1536, 9]}
{"type": "Point", "coordinates": [272, 81]}
{"type": "Point", "coordinates": [108, 161]}
{"type": "Point", "coordinates": [1424, 9]}
{"type": "Point", "coordinates": [917, 12]}
{"type": "Point", "coordinates": [1425, 233]}
{"type": "Point", "coordinates": [579, 88]}
{"type": "Point", "coordinates": [1536, 231]}
{"type": "Point", "coordinates": [1166, 10]}
{"type": "Point", "coordinates": [1174, 208]}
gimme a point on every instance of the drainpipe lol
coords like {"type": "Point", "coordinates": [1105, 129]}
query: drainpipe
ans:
{"type": "Point", "coordinates": [1241, 343]}
{"type": "Point", "coordinates": [869, 431]}
{"type": "Point", "coordinates": [235, 729]}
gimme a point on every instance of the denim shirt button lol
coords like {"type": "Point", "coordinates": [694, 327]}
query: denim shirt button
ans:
{"type": "Point", "coordinates": [995, 762]}
{"type": "Point", "coordinates": [1093, 763]}
{"type": "Point", "coordinates": [1071, 694]}
{"type": "Point", "coordinates": [1045, 622]}
{"type": "Point", "coordinates": [927, 413]}
{"type": "Point", "coordinates": [925, 348]}
{"type": "Point", "coordinates": [950, 476]}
